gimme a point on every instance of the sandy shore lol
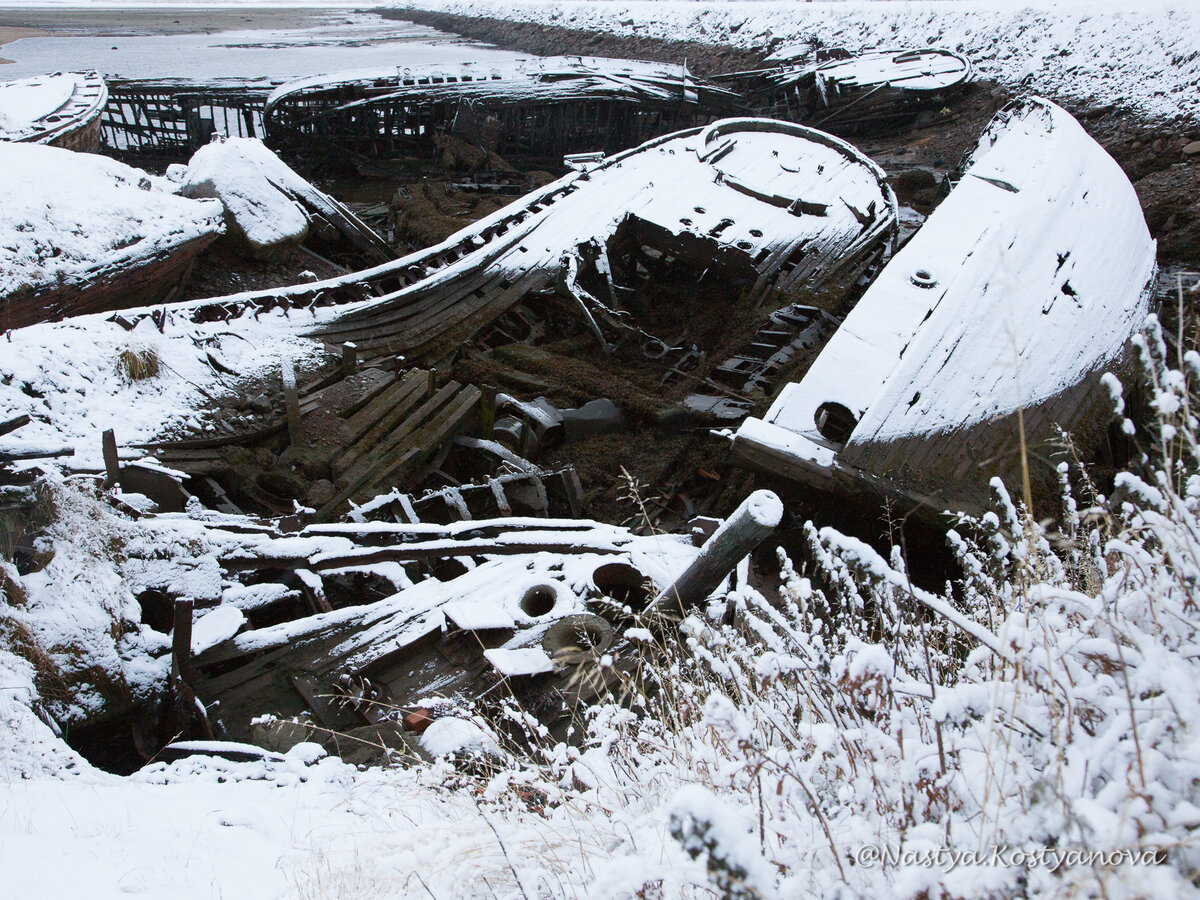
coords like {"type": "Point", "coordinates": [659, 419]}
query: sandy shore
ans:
{"type": "Point", "coordinates": [17, 23]}
{"type": "Point", "coordinates": [9, 33]}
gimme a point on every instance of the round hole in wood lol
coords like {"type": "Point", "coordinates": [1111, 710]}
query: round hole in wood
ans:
{"type": "Point", "coordinates": [835, 422]}
{"type": "Point", "coordinates": [625, 584]}
{"type": "Point", "coordinates": [538, 600]}
{"type": "Point", "coordinates": [923, 278]}
{"type": "Point", "coordinates": [577, 637]}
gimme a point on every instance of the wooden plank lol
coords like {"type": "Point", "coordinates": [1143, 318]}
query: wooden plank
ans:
{"type": "Point", "coordinates": [291, 401]}
{"type": "Point", "coordinates": [384, 425]}
{"type": "Point", "coordinates": [362, 422]}
{"type": "Point", "coordinates": [368, 468]}
{"type": "Point", "coordinates": [13, 424]}
{"type": "Point", "coordinates": [112, 465]}
{"type": "Point", "coordinates": [425, 441]}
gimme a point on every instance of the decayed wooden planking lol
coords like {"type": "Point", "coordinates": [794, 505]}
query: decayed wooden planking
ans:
{"type": "Point", "coordinates": [385, 453]}
{"type": "Point", "coordinates": [869, 91]}
{"type": "Point", "coordinates": [543, 107]}
{"type": "Point", "coordinates": [797, 205]}
{"type": "Point", "coordinates": [71, 118]}
{"type": "Point", "coordinates": [1016, 294]}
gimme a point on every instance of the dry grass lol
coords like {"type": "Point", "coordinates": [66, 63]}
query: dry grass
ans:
{"type": "Point", "coordinates": [138, 363]}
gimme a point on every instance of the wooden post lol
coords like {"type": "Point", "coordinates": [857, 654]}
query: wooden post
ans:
{"type": "Point", "coordinates": [487, 412]}
{"type": "Point", "coordinates": [190, 716]}
{"type": "Point", "coordinates": [112, 465]}
{"type": "Point", "coordinates": [748, 526]}
{"type": "Point", "coordinates": [181, 640]}
{"type": "Point", "coordinates": [291, 399]}
{"type": "Point", "coordinates": [431, 386]}
{"type": "Point", "coordinates": [349, 359]}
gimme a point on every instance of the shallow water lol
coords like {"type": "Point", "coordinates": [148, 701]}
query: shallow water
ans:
{"type": "Point", "coordinates": [334, 42]}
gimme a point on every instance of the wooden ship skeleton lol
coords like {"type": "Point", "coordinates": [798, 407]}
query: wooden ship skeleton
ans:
{"type": "Point", "coordinates": [779, 211]}
{"type": "Point", "coordinates": [873, 90]}
{"type": "Point", "coordinates": [541, 108]}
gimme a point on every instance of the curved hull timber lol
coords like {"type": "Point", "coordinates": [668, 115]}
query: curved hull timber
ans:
{"type": "Point", "coordinates": [123, 283]}
{"type": "Point", "coordinates": [1012, 300]}
{"type": "Point", "coordinates": [779, 209]}
{"type": "Point", "coordinates": [75, 101]}
{"type": "Point", "coordinates": [544, 108]}
{"type": "Point", "coordinates": [870, 91]}
{"type": "Point", "coordinates": [84, 233]}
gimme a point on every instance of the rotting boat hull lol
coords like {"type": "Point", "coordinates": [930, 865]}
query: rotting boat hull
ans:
{"type": "Point", "coordinates": [1016, 295]}
{"type": "Point", "coordinates": [536, 108]}
{"type": "Point", "coordinates": [74, 103]}
{"type": "Point", "coordinates": [86, 234]}
{"type": "Point", "coordinates": [851, 93]}
{"type": "Point", "coordinates": [780, 208]}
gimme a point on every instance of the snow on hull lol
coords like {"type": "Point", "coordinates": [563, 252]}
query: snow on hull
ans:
{"type": "Point", "coordinates": [80, 233]}
{"type": "Point", "coordinates": [1017, 294]}
{"type": "Point", "coordinates": [268, 207]}
{"type": "Point", "coordinates": [62, 109]}
{"type": "Point", "coordinates": [909, 70]}
{"type": "Point", "coordinates": [774, 205]}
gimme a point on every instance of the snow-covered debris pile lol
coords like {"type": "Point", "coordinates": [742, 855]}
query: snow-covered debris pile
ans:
{"type": "Point", "coordinates": [1145, 55]}
{"type": "Point", "coordinates": [1030, 731]}
{"type": "Point", "coordinates": [66, 376]}
{"type": "Point", "coordinates": [67, 217]}
{"type": "Point", "coordinates": [269, 209]}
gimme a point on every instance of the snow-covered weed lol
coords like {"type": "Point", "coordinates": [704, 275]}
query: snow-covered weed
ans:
{"type": "Point", "coordinates": [137, 363]}
{"type": "Point", "coordinates": [1030, 730]}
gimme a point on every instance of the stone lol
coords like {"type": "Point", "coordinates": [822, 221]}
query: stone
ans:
{"type": "Point", "coordinates": [916, 180]}
{"type": "Point", "coordinates": [1192, 148]}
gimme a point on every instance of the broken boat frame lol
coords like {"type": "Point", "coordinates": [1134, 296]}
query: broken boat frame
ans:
{"type": "Point", "coordinates": [983, 337]}
{"type": "Point", "coordinates": [542, 108]}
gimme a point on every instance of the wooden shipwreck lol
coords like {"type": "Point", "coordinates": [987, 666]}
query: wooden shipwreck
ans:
{"type": "Point", "coordinates": [174, 117]}
{"type": "Point", "coordinates": [775, 209]}
{"type": "Point", "coordinates": [853, 92]}
{"type": "Point", "coordinates": [87, 234]}
{"type": "Point", "coordinates": [1001, 314]}
{"type": "Point", "coordinates": [372, 629]}
{"type": "Point", "coordinates": [539, 108]}
{"type": "Point", "coordinates": [62, 110]}
{"type": "Point", "coordinates": [775, 212]}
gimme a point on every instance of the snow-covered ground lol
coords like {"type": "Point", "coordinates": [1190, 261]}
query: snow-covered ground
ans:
{"type": "Point", "coordinates": [1141, 54]}
{"type": "Point", "coordinates": [1047, 704]}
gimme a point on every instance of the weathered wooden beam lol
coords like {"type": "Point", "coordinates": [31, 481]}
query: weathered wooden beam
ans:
{"type": "Point", "coordinates": [13, 424]}
{"type": "Point", "coordinates": [112, 465]}
{"type": "Point", "coordinates": [749, 525]}
{"type": "Point", "coordinates": [487, 411]}
{"type": "Point", "coordinates": [349, 359]}
{"type": "Point", "coordinates": [181, 641]}
{"type": "Point", "coordinates": [15, 455]}
{"type": "Point", "coordinates": [291, 399]}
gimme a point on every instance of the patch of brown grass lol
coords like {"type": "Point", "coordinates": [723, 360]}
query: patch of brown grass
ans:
{"type": "Point", "coordinates": [138, 364]}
